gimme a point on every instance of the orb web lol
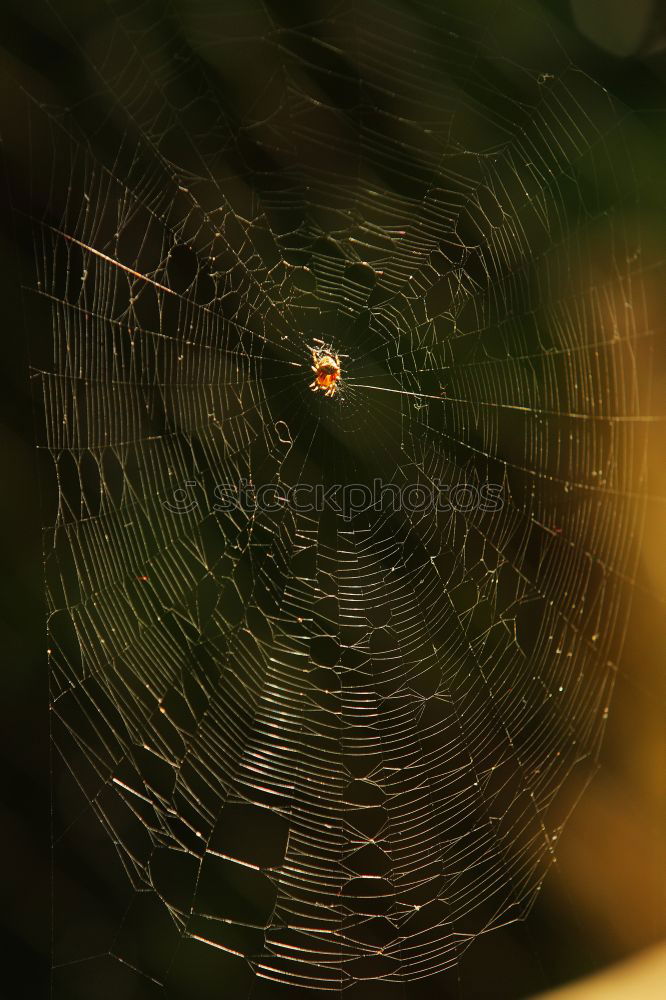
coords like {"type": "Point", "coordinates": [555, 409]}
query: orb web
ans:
{"type": "Point", "coordinates": [329, 749]}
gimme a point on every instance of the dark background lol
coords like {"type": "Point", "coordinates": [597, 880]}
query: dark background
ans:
{"type": "Point", "coordinates": [606, 900]}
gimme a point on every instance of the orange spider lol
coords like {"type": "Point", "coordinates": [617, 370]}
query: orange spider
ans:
{"type": "Point", "coordinates": [327, 371]}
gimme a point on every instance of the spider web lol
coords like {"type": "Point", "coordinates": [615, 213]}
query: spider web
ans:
{"type": "Point", "coordinates": [326, 749]}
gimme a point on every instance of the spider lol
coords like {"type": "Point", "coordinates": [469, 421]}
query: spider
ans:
{"type": "Point", "coordinates": [327, 371]}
